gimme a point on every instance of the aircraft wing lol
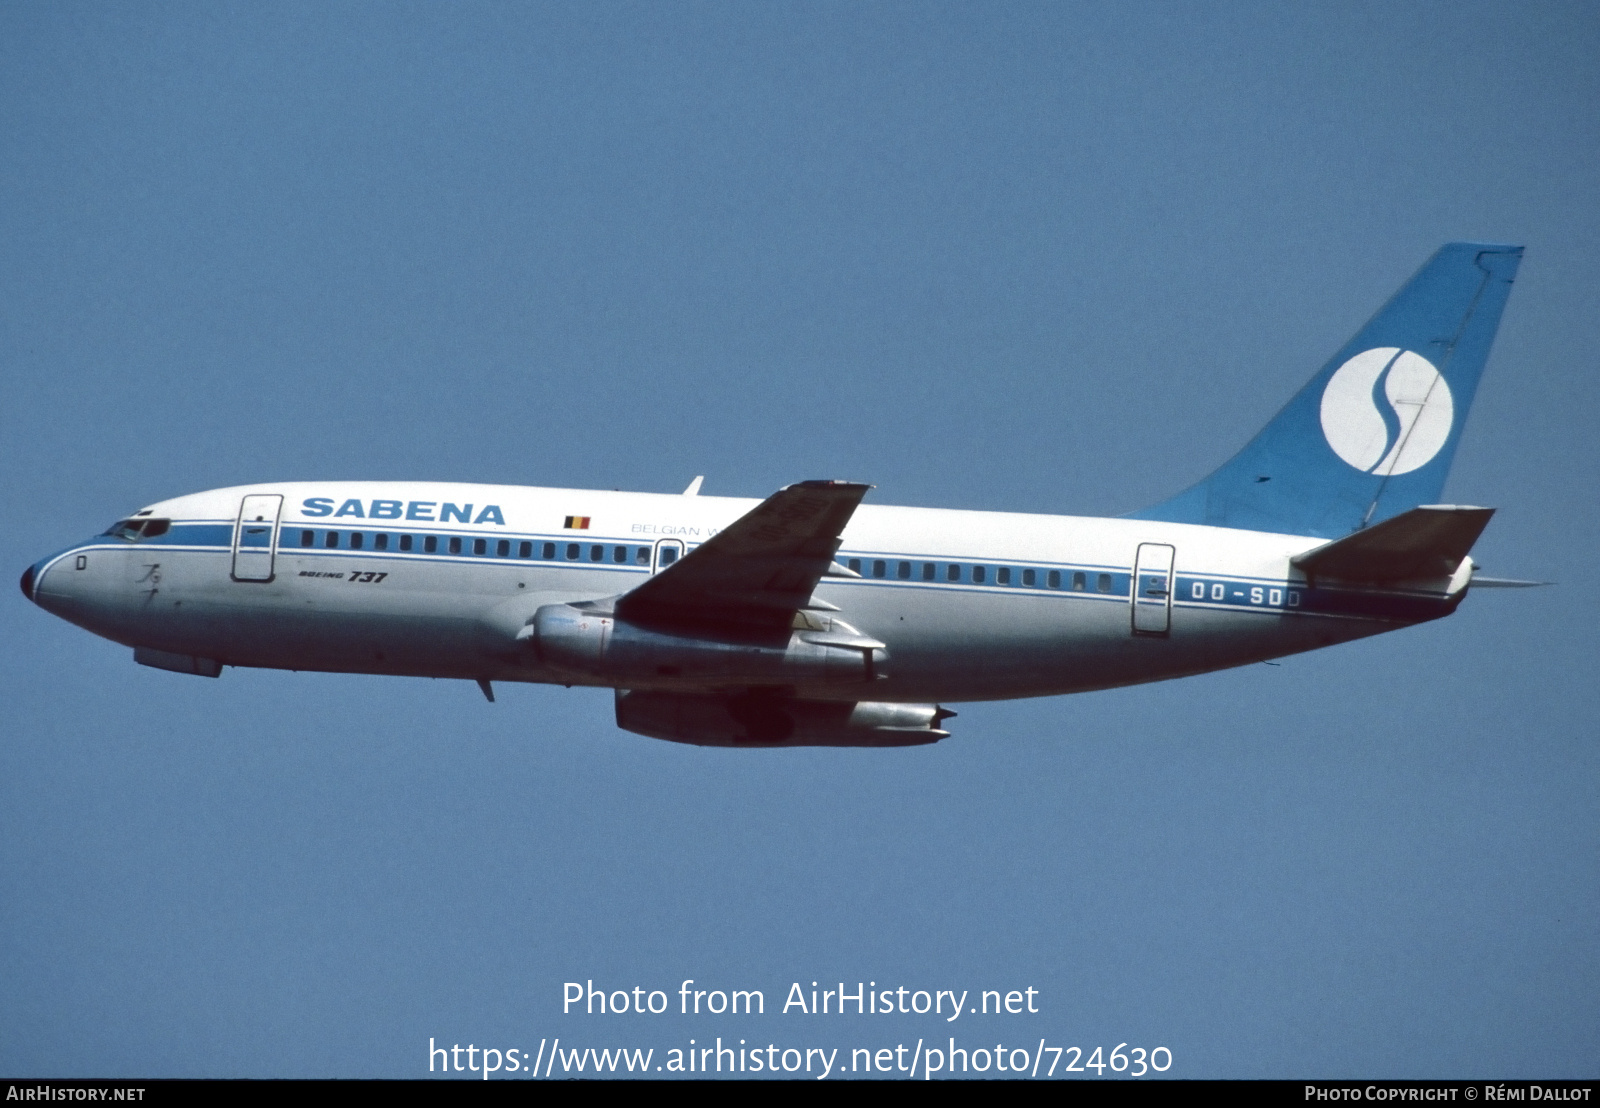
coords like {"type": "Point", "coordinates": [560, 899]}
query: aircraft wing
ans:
{"type": "Point", "coordinates": [758, 571]}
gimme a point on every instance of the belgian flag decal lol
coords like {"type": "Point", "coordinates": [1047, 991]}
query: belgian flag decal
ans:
{"type": "Point", "coordinates": [577, 523]}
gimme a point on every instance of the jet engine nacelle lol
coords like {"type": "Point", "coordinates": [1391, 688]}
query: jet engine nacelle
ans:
{"type": "Point", "coordinates": [596, 644]}
{"type": "Point", "coordinates": [759, 719]}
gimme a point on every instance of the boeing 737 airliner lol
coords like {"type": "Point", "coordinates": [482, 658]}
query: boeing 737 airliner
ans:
{"type": "Point", "coordinates": [809, 618]}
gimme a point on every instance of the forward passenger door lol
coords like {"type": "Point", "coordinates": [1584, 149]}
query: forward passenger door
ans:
{"type": "Point", "coordinates": [255, 537]}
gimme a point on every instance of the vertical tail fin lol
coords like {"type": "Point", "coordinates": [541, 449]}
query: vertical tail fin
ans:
{"type": "Point", "coordinates": [1373, 434]}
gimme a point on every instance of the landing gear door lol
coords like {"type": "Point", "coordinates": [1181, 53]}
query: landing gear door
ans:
{"type": "Point", "coordinates": [1152, 589]}
{"type": "Point", "coordinates": [255, 537]}
{"type": "Point", "coordinates": [668, 551]}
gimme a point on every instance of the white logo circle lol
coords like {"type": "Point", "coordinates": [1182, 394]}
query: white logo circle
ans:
{"type": "Point", "coordinates": [1419, 400]}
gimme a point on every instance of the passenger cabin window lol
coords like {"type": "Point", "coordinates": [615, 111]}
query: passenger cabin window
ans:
{"type": "Point", "coordinates": [879, 569]}
{"type": "Point", "coordinates": [855, 565]}
{"type": "Point", "coordinates": [525, 550]}
{"type": "Point", "coordinates": [903, 571]}
{"type": "Point", "coordinates": [307, 538]}
{"type": "Point", "coordinates": [332, 541]}
{"type": "Point", "coordinates": [953, 573]}
{"type": "Point", "coordinates": [1079, 582]}
{"type": "Point", "coordinates": [619, 554]}
{"type": "Point", "coordinates": [573, 551]}
{"type": "Point", "coordinates": [405, 543]}
{"type": "Point", "coordinates": [455, 544]}
{"type": "Point", "coordinates": [430, 544]}
{"type": "Point", "coordinates": [978, 575]}
{"type": "Point", "coordinates": [1053, 579]}
{"type": "Point", "coordinates": [356, 540]}
{"type": "Point", "coordinates": [1102, 583]}
{"type": "Point", "coordinates": [1002, 576]}
{"type": "Point", "coordinates": [669, 554]}
{"type": "Point", "coordinates": [1028, 578]}
{"type": "Point", "coordinates": [549, 551]}
{"type": "Point", "coordinates": [642, 556]}
{"type": "Point", "coordinates": [480, 546]}
{"type": "Point", "coordinates": [929, 571]}
{"type": "Point", "coordinates": [380, 542]}
{"type": "Point", "coordinates": [597, 553]}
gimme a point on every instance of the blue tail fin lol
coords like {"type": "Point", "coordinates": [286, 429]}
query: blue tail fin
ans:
{"type": "Point", "coordinates": [1374, 432]}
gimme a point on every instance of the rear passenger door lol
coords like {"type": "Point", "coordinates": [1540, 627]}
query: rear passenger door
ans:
{"type": "Point", "coordinates": [1152, 589]}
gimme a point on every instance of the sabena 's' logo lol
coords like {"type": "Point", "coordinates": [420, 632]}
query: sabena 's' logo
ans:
{"type": "Point", "coordinates": [1393, 429]}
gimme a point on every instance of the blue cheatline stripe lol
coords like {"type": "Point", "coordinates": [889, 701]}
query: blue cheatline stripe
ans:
{"type": "Point", "coordinates": [1238, 593]}
{"type": "Point", "coordinates": [1264, 596]}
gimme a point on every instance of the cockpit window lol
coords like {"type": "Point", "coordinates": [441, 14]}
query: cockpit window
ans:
{"type": "Point", "coordinates": [135, 529]}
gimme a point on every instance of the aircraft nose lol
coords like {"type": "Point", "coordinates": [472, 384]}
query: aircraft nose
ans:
{"type": "Point", "coordinates": [27, 582]}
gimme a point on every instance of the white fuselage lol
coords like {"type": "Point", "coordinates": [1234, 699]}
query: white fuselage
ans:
{"type": "Point", "coordinates": [971, 605]}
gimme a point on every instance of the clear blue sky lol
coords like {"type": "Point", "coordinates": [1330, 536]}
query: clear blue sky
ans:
{"type": "Point", "coordinates": [1045, 258]}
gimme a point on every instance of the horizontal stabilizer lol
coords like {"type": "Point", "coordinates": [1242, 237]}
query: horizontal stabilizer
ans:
{"type": "Point", "coordinates": [1426, 542]}
{"type": "Point", "coordinates": [1506, 583]}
